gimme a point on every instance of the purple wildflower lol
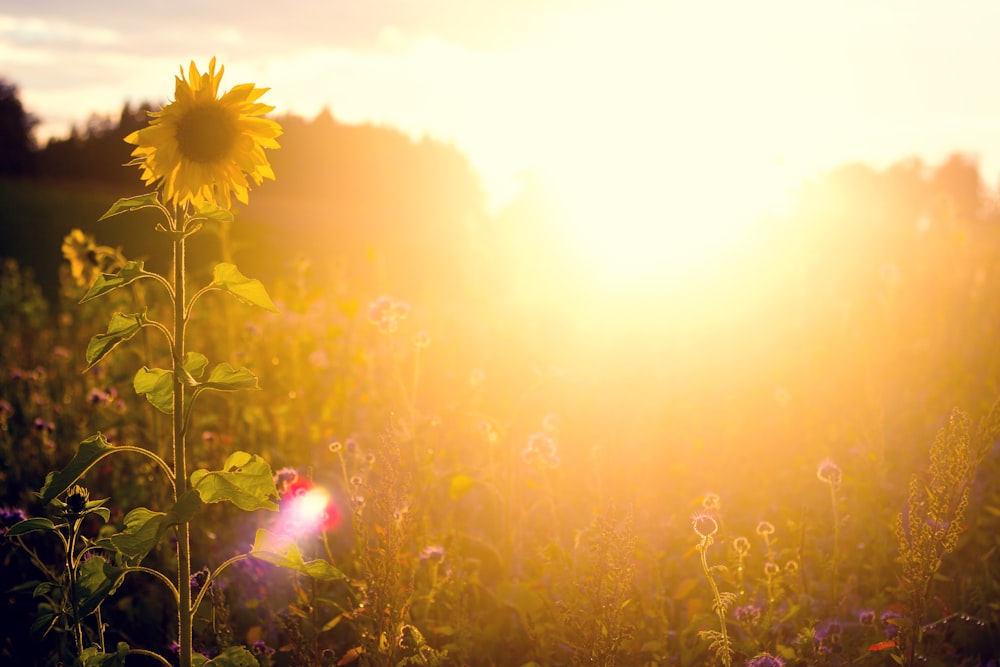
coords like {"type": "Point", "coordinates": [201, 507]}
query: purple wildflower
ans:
{"type": "Point", "coordinates": [8, 517]}
{"type": "Point", "coordinates": [765, 660]}
{"type": "Point", "coordinates": [433, 553]}
{"type": "Point", "coordinates": [748, 614]}
{"type": "Point", "coordinates": [891, 629]}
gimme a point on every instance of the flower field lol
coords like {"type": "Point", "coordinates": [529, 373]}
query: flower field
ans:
{"type": "Point", "coordinates": [786, 461]}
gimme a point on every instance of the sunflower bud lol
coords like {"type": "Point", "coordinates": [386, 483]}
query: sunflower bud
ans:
{"type": "Point", "coordinates": [76, 499]}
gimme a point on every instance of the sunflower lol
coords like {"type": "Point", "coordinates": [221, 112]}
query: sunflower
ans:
{"type": "Point", "coordinates": [86, 259]}
{"type": "Point", "coordinates": [201, 148]}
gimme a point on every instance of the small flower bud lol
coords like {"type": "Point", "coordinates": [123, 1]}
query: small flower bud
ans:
{"type": "Point", "coordinates": [76, 499]}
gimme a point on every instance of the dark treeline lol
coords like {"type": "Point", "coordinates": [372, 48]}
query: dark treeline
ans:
{"type": "Point", "coordinates": [407, 209]}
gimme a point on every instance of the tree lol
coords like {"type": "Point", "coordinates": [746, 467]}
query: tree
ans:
{"type": "Point", "coordinates": [17, 141]}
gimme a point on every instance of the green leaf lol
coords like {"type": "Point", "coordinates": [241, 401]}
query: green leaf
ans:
{"type": "Point", "coordinates": [226, 378]}
{"type": "Point", "coordinates": [93, 657]}
{"type": "Point", "coordinates": [210, 211]}
{"type": "Point", "coordinates": [43, 623]}
{"type": "Point", "coordinates": [107, 282]}
{"type": "Point", "coordinates": [30, 526]}
{"type": "Point", "coordinates": [126, 204]}
{"type": "Point", "coordinates": [195, 364]}
{"type": "Point", "coordinates": [43, 589]}
{"type": "Point", "coordinates": [250, 291]}
{"type": "Point", "coordinates": [157, 385]}
{"type": "Point", "coordinates": [144, 528]}
{"type": "Point", "coordinates": [281, 550]}
{"type": "Point", "coordinates": [245, 480]}
{"type": "Point", "coordinates": [96, 580]}
{"type": "Point", "coordinates": [91, 450]}
{"type": "Point", "coordinates": [234, 656]}
{"type": "Point", "coordinates": [120, 329]}
{"type": "Point", "coordinates": [177, 234]}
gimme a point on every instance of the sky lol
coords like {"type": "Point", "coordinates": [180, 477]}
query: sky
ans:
{"type": "Point", "coordinates": [665, 105]}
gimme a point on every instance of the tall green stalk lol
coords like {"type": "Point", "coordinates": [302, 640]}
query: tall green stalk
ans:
{"type": "Point", "coordinates": [184, 610]}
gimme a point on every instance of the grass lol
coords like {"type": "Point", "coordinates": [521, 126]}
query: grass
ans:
{"type": "Point", "coordinates": [519, 488]}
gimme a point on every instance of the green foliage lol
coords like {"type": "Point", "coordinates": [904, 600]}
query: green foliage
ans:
{"type": "Point", "coordinates": [930, 525]}
{"type": "Point", "coordinates": [250, 291]}
{"type": "Point", "coordinates": [129, 204]}
{"type": "Point", "coordinates": [121, 328]}
{"type": "Point", "coordinates": [282, 550]}
{"type": "Point", "coordinates": [245, 480]}
{"type": "Point", "coordinates": [126, 275]}
{"type": "Point", "coordinates": [450, 544]}
{"type": "Point", "coordinates": [90, 451]}
{"type": "Point", "coordinates": [93, 657]}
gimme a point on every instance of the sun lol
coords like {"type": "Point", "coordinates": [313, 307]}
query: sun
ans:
{"type": "Point", "coordinates": [663, 223]}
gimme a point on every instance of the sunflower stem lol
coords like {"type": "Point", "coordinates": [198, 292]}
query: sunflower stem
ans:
{"type": "Point", "coordinates": [184, 611]}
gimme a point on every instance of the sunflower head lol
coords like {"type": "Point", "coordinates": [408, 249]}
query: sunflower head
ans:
{"type": "Point", "coordinates": [204, 148]}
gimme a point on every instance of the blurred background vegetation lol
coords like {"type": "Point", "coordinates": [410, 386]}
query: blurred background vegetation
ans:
{"type": "Point", "coordinates": [857, 320]}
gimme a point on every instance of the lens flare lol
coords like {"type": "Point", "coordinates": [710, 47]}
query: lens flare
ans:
{"type": "Point", "coordinates": [310, 510]}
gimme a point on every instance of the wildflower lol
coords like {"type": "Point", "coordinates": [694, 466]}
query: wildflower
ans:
{"type": "Point", "coordinates": [866, 617]}
{"type": "Point", "coordinates": [43, 426]}
{"type": "Point", "coordinates": [765, 660]}
{"type": "Point", "coordinates": [748, 614]}
{"type": "Point", "coordinates": [421, 339]}
{"type": "Point", "coordinates": [386, 314]}
{"type": "Point", "coordinates": [828, 637]}
{"type": "Point", "coordinates": [99, 396]}
{"type": "Point", "coordinates": [889, 623]}
{"type": "Point", "coordinates": [791, 568]}
{"type": "Point", "coordinates": [765, 529]}
{"type": "Point", "coordinates": [357, 481]}
{"type": "Point", "coordinates": [201, 147]}
{"type": "Point", "coordinates": [550, 423]}
{"type": "Point", "coordinates": [409, 638]}
{"type": "Point", "coordinates": [284, 478]}
{"type": "Point", "coordinates": [828, 472]}
{"type": "Point", "coordinates": [433, 553]}
{"type": "Point", "coordinates": [399, 514]}
{"type": "Point", "coordinates": [198, 579]}
{"type": "Point", "coordinates": [711, 502]}
{"type": "Point", "coordinates": [540, 451]}
{"type": "Point", "coordinates": [8, 517]}
{"type": "Point", "coordinates": [336, 447]}
{"type": "Point", "coordinates": [260, 649]}
{"type": "Point", "coordinates": [741, 546]}
{"type": "Point", "coordinates": [705, 525]}
{"type": "Point", "coordinates": [771, 570]}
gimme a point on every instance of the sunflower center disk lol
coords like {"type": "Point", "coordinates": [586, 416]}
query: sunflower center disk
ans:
{"type": "Point", "coordinates": [206, 133]}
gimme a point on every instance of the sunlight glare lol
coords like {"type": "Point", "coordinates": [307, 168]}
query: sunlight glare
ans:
{"type": "Point", "coordinates": [308, 511]}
